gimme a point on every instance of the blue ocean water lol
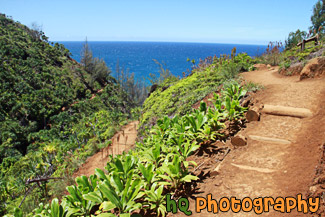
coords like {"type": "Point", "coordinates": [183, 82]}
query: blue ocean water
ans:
{"type": "Point", "coordinates": [138, 56]}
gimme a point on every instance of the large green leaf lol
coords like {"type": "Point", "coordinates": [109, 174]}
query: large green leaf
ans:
{"type": "Point", "coordinates": [107, 206]}
{"type": "Point", "coordinates": [93, 196]}
{"type": "Point", "coordinates": [189, 178]}
{"type": "Point", "coordinates": [55, 208]}
{"type": "Point", "coordinates": [100, 173]}
{"type": "Point", "coordinates": [106, 215]}
{"type": "Point", "coordinates": [109, 194]}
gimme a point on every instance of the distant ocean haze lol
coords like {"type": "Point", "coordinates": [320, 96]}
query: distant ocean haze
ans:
{"type": "Point", "coordinates": [138, 57]}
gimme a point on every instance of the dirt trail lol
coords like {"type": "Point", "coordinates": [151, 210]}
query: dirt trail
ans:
{"type": "Point", "coordinates": [264, 168]}
{"type": "Point", "coordinates": [121, 141]}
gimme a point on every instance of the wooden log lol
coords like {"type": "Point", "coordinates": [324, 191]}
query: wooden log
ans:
{"type": "Point", "coordinates": [257, 169]}
{"type": "Point", "coordinates": [287, 111]}
{"type": "Point", "coordinates": [253, 114]}
{"type": "Point", "coordinates": [269, 139]}
{"type": "Point", "coordinates": [239, 140]}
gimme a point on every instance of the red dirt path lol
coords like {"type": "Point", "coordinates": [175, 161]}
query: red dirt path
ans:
{"type": "Point", "coordinates": [263, 169]}
{"type": "Point", "coordinates": [121, 141]}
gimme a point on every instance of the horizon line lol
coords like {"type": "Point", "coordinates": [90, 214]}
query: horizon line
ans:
{"type": "Point", "coordinates": [194, 42]}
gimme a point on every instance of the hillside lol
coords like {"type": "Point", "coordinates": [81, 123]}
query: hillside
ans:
{"type": "Point", "coordinates": [75, 141]}
{"type": "Point", "coordinates": [50, 106]}
{"type": "Point", "coordinates": [177, 97]}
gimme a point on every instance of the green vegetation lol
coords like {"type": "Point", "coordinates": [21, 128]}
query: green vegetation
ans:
{"type": "Point", "coordinates": [174, 97]}
{"type": "Point", "coordinates": [318, 17]}
{"type": "Point", "coordinates": [164, 75]}
{"type": "Point", "coordinates": [296, 55]}
{"type": "Point", "coordinates": [291, 55]}
{"type": "Point", "coordinates": [141, 178]}
{"type": "Point", "coordinates": [294, 38]}
{"type": "Point", "coordinates": [317, 20]}
{"type": "Point", "coordinates": [272, 55]}
{"type": "Point", "coordinates": [54, 113]}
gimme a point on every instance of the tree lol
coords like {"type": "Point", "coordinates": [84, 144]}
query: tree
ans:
{"type": "Point", "coordinates": [318, 17]}
{"type": "Point", "coordinates": [87, 57]}
{"type": "Point", "coordinates": [36, 31]}
{"type": "Point", "coordinates": [135, 88]}
{"type": "Point", "coordinates": [96, 68]}
{"type": "Point", "coordinates": [164, 74]}
{"type": "Point", "coordinates": [294, 38]}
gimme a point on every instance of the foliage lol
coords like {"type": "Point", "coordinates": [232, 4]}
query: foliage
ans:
{"type": "Point", "coordinates": [293, 55]}
{"type": "Point", "coordinates": [141, 178]}
{"type": "Point", "coordinates": [135, 89]}
{"type": "Point", "coordinates": [294, 38]}
{"type": "Point", "coordinates": [79, 108]}
{"type": "Point", "coordinates": [273, 55]}
{"type": "Point", "coordinates": [54, 113]}
{"type": "Point", "coordinates": [164, 74]}
{"type": "Point", "coordinates": [180, 96]}
{"type": "Point", "coordinates": [96, 68]}
{"type": "Point", "coordinates": [318, 17]}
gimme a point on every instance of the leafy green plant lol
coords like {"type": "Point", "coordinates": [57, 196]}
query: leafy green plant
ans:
{"type": "Point", "coordinates": [78, 204]}
{"type": "Point", "coordinates": [154, 154]}
{"type": "Point", "coordinates": [207, 134]}
{"type": "Point", "coordinates": [148, 173]}
{"type": "Point", "coordinates": [156, 199]}
{"type": "Point", "coordinates": [122, 194]}
{"type": "Point", "coordinates": [186, 149]}
{"type": "Point", "coordinates": [122, 164]}
{"type": "Point", "coordinates": [196, 121]}
{"type": "Point", "coordinates": [175, 173]}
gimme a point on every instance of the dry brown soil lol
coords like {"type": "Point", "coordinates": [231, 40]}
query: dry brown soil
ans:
{"type": "Point", "coordinates": [263, 169]}
{"type": "Point", "coordinates": [121, 141]}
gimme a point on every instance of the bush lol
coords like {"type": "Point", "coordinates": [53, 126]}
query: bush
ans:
{"type": "Point", "coordinates": [273, 55]}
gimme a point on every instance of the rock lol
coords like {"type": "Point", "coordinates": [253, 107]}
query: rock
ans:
{"type": "Point", "coordinates": [216, 171]}
{"type": "Point", "coordinates": [268, 66]}
{"type": "Point", "coordinates": [313, 189]}
{"type": "Point", "coordinates": [239, 140]}
{"type": "Point", "coordinates": [218, 182]}
{"type": "Point", "coordinates": [253, 114]}
{"type": "Point", "coordinates": [315, 67]}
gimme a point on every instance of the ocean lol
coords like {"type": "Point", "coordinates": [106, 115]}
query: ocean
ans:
{"type": "Point", "coordinates": [138, 57]}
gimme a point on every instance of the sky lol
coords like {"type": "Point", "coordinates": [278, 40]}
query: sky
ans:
{"type": "Point", "coordinates": [207, 21]}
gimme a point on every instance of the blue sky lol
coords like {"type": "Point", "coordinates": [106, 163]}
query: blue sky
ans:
{"type": "Point", "coordinates": [212, 21]}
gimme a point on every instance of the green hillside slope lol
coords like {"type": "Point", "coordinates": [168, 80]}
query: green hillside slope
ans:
{"type": "Point", "coordinates": [50, 106]}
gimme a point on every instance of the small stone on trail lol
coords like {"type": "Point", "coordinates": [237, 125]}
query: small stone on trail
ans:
{"type": "Point", "coordinates": [313, 189]}
{"type": "Point", "coordinates": [239, 140]}
{"type": "Point", "coordinates": [253, 114]}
